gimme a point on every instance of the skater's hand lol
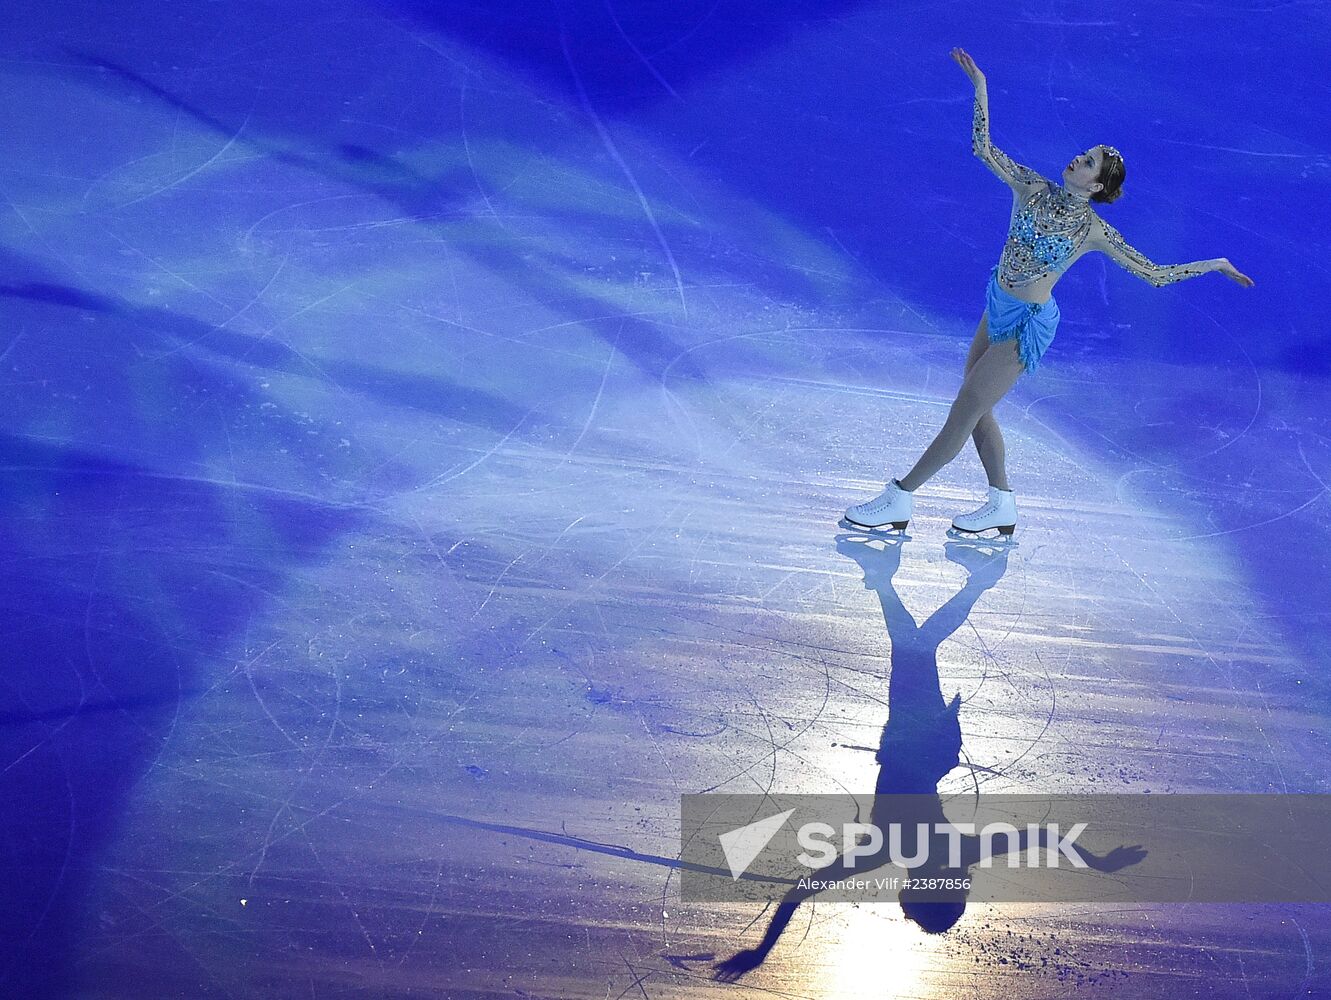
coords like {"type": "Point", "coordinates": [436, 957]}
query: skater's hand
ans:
{"type": "Point", "coordinates": [737, 965]}
{"type": "Point", "coordinates": [1233, 273]}
{"type": "Point", "coordinates": [967, 64]}
{"type": "Point", "coordinates": [1118, 858]}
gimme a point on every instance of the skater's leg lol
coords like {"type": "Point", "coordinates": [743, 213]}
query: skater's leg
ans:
{"type": "Point", "coordinates": [979, 343]}
{"type": "Point", "coordinates": [987, 382]}
{"type": "Point", "coordinates": [989, 443]}
{"type": "Point", "coordinates": [987, 437]}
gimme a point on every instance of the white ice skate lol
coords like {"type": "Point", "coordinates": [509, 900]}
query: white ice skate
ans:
{"type": "Point", "coordinates": [1000, 511]}
{"type": "Point", "coordinates": [893, 506]}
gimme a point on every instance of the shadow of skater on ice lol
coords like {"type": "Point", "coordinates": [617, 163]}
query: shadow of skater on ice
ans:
{"type": "Point", "coordinates": [920, 745]}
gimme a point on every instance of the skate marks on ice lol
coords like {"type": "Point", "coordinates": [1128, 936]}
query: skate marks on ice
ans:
{"type": "Point", "coordinates": [367, 474]}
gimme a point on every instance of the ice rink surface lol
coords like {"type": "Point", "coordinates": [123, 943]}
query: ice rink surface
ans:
{"type": "Point", "coordinates": [424, 432]}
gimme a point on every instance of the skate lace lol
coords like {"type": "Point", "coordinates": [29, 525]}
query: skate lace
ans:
{"type": "Point", "coordinates": [878, 503]}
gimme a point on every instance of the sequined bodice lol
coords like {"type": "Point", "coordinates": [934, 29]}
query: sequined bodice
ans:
{"type": "Point", "coordinates": [1046, 231]}
{"type": "Point", "coordinates": [1051, 227]}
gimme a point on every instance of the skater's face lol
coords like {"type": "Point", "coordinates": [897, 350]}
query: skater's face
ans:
{"type": "Point", "coordinates": [1081, 174]}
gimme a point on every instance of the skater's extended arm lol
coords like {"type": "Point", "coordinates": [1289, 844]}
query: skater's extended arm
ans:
{"type": "Point", "coordinates": [1110, 242]}
{"type": "Point", "coordinates": [846, 868]}
{"type": "Point", "coordinates": [1116, 860]}
{"type": "Point", "coordinates": [749, 959]}
{"type": "Point", "coordinates": [1016, 176]}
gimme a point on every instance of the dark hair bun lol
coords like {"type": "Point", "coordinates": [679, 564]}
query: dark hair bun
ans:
{"type": "Point", "coordinates": [1112, 174]}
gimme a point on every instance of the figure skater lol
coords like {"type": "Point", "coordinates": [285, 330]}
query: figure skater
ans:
{"type": "Point", "coordinates": [1051, 227]}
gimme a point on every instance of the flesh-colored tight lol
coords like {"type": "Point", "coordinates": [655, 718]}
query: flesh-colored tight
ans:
{"type": "Point", "coordinates": [991, 370]}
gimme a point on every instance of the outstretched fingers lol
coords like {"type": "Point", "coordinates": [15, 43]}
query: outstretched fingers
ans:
{"type": "Point", "coordinates": [1234, 274]}
{"type": "Point", "coordinates": [963, 59]}
{"type": "Point", "coordinates": [737, 965]}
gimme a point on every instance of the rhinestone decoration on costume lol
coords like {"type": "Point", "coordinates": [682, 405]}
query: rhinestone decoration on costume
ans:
{"type": "Point", "coordinates": [1008, 169]}
{"type": "Point", "coordinates": [1135, 262]}
{"type": "Point", "coordinates": [1046, 231]}
{"type": "Point", "coordinates": [1051, 226]}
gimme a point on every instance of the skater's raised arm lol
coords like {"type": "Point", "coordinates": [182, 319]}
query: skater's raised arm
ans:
{"type": "Point", "coordinates": [1013, 174]}
{"type": "Point", "coordinates": [1110, 242]}
{"type": "Point", "coordinates": [746, 961]}
{"type": "Point", "coordinates": [1116, 860]}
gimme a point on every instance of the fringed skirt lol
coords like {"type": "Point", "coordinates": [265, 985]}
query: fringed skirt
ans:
{"type": "Point", "coordinates": [1031, 324]}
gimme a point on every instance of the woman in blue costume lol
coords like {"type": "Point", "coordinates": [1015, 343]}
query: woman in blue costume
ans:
{"type": "Point", "coordinates": [1051, 227]}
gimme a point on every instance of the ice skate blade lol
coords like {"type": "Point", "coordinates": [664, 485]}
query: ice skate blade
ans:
{"type": "Point", "coordinates": [894, 525]}
{"type": "Point", "coordinates": [1005, 531]}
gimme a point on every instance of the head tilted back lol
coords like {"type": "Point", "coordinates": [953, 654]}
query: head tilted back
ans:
{"type": "Point", "coordinates": [1112, 173]}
